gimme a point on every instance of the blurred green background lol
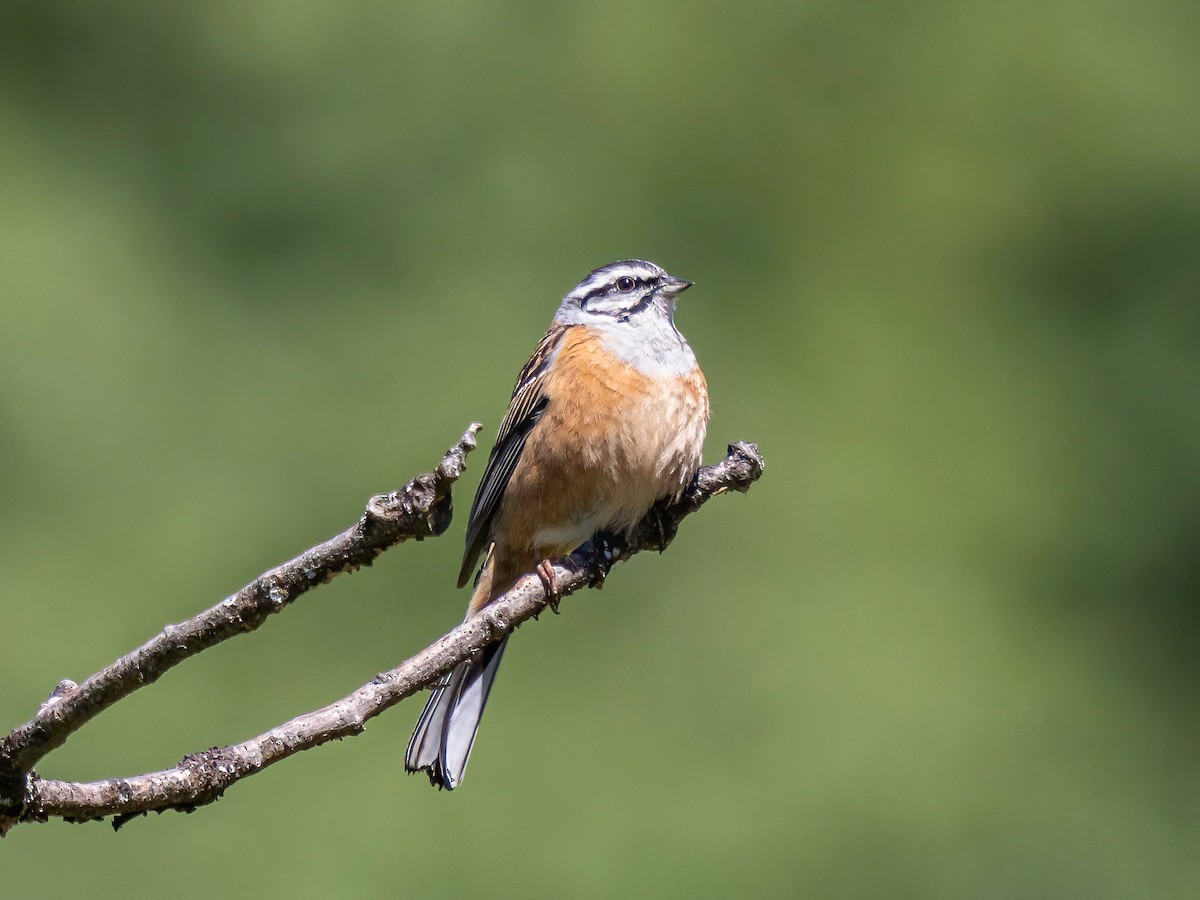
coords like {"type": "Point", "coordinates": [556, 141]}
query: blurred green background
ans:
{"type": "Point", "coordinates": [261, 260]}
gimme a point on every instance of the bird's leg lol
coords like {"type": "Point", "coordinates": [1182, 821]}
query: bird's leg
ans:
{"type": "Point", "coordinates": [604, 551]}
{"type": "Point", "coordinates": [662, 526]}
{"type": "Point", "coordinates": [545, 571]}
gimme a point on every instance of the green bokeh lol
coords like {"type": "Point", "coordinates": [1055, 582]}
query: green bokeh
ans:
{"type": "Point", "coordinates": [261, 260]}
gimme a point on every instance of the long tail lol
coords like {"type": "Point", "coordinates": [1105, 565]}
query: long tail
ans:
{"type": "Point", "coordinates": [441, 743]}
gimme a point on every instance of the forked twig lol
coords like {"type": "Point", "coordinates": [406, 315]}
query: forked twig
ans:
{"type": "Point", "coordinates": [422, 508]}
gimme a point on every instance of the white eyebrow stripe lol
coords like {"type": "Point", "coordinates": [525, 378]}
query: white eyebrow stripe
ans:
{"type": "Point", "coordinates": [604, 279]}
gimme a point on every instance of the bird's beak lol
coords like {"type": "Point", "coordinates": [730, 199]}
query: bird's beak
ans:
{"type": "Point", "coordinates": [673, 285]}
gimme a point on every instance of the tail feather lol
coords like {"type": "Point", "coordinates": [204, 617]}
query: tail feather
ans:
{"type": "Point", "coordinates": [441, 743]}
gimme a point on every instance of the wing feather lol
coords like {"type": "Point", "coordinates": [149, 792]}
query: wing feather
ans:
{"type": "Point", "coordinates": [524, 410]}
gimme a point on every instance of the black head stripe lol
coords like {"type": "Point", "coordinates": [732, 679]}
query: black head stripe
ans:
{"type": "Point", "coordinates": [646, 300]}
{"type": "Point", "coordinates": [608, 288]}
{"type": "Point", "coordinates": [624, 312]}
{"type": "Point", "coordinates": [599, 295]}
{"type": "Point", "coordinates": [635, 264]}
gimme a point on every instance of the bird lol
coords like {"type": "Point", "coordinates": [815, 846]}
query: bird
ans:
{"type": "Point", "coordinates": [607, 418]}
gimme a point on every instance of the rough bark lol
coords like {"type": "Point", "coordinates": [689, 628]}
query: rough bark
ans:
{"type": "Point", "coordinates": [422, 508]}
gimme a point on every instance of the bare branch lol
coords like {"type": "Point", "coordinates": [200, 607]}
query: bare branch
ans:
{"type": "Point", "coordinates": [420, 509]}
{"type": "Point", "coordinates": [202, 777]}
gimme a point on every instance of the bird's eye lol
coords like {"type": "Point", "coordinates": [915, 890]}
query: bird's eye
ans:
{"type": "Point", "coordinates": [625, 284]}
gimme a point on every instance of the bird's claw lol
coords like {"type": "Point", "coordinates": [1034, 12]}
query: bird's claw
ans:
{"type": "Point", "coordinates": [603, 556]}
{"type": "Point", "coordinates": [545, 572]}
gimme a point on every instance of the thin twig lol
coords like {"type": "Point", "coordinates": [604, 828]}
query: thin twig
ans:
{"type": "Point", "coordinates": [420, 509]}
{"type": "Point", "coordinates": [202, 777]}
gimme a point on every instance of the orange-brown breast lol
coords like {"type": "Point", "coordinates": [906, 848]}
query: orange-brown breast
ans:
{"type": "Point", "coordinates": [610, 442]}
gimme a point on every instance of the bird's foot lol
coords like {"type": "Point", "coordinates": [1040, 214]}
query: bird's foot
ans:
{"type": "Point", "coordinates": [545, 571]}
{"type": "Point", "coordinates": [605, 549]}
{"type": "Point", "coordinates": [662, 527]}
